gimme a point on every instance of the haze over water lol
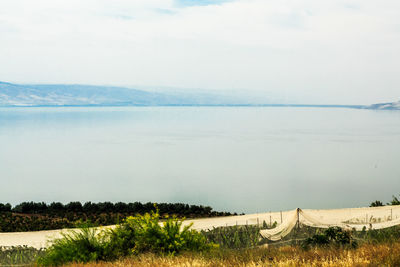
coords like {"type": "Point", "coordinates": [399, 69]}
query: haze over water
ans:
{"type": "Point", "coordinates": [243, 159]}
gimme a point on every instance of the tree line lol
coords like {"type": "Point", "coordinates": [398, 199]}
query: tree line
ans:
{"type": "Point", "coordinates": [58, 208]}
{"type": "Point", "coordinates": [378, 203]}
{"type": "Point", "coordinates": [35, 216]}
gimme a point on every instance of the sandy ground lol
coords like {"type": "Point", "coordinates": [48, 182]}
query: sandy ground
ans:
{"type": "Point", "coordinates": [33, 239]}
{"type": "Point", "coordinates": [40, 239]}
{"type": "Point", "coordinates": [36, 239]}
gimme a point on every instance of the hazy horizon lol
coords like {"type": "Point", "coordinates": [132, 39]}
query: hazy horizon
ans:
{"type": "Point", "coordinates": [336, 52]}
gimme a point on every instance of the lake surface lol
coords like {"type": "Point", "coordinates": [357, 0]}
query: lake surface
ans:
{"type": "Point", "coordinates": [243, 159]}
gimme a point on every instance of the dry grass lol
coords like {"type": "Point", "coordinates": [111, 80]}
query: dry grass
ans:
{"type": "Point", "coordinates": [365, 255]}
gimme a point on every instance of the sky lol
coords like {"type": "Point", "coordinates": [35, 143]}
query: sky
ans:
{"type": "Point", "coordinates": [308, 51]}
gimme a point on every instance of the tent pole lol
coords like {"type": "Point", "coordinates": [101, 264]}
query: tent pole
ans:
{"type": "Point", "coordinates": [298, 217]}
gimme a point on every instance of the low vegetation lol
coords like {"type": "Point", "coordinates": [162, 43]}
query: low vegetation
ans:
{"type": "Point", "coordinates": [235, 237]}
{"type": "Point", "coordinates": [136, 235]}
{"type": "Point", "coordinates": [373, 236]}
{"type": "Point", "coordinates": [331, 237]}
{"type": "Point", "coordinates": [11, 256]}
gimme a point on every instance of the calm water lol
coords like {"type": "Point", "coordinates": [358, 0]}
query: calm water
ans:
{"type": "Point", "coordinates": [239, 159]}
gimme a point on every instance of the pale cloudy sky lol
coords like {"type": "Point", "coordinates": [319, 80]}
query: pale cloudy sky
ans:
{"type": "Point", "coordinates": [318, 51]}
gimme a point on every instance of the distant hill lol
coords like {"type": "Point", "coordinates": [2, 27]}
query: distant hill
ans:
{"type": "Point", "coordinates": [387, 106]}
{"type": "Point", "coordinates": [89, 95]}
{"type": "Point", "coordinates": [92, 95]}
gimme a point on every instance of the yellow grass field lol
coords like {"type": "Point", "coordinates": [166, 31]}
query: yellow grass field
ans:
{"type": "Point", "coordinates": [365, 255]}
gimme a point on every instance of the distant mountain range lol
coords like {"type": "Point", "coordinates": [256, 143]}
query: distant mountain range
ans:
{"type": "Point", "coordinates": [90, 95]}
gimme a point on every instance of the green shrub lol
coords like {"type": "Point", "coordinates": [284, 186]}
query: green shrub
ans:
{"type": "Point", "coordinates": [120, 241]}
{"type": "Point", "coordinates": [81, 245]}
{"type": "Point", "coordinates": [142, 233]}
{"type": "Point", "coordinates": [333, 236]}
{"type": "Point", "coordinates": [167, 237]}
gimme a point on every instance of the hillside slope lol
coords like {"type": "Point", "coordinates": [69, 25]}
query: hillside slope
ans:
{"type": "Point", "coordinates": [82, 95]}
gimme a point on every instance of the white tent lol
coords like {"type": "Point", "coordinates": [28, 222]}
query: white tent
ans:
{"type": "Point", "coordinates": [356, 218]}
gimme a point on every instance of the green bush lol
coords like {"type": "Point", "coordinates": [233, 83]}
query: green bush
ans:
{"type": "Point", "coordinates": [142, 233]}
{"type": "Point", "coordinates": [167, 237]}
{"type": "Point", "coordinates": [81, 245]}
{"type": "Point", "coordinates": [333, 236]}
{"type": "Point", "coordinates": [120, 241]}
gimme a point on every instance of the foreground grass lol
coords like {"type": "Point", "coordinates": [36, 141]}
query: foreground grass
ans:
{"type": "Point", "coordinates": [366, 255]}
{"type": "Point", "coordinates": [383, 254]}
